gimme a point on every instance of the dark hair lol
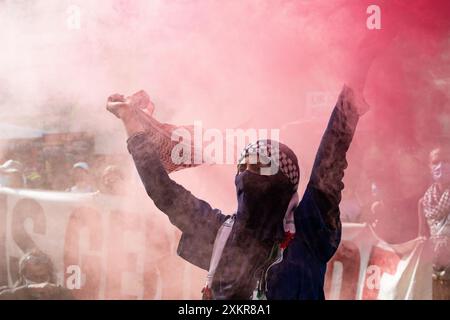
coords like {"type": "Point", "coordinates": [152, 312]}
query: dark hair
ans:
{"type": "Point", "coordinates": [36, 256]}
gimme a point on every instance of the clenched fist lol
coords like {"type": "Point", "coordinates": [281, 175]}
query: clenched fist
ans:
{"type": "Point", "coordinates": [118, 105]}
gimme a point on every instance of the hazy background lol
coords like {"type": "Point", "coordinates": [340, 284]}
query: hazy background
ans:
{"type": "Point", "coordinates": [264, 64]}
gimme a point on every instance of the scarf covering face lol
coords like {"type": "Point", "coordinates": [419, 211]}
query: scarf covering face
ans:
{"type": "Point", "coordinates": [258, 224]}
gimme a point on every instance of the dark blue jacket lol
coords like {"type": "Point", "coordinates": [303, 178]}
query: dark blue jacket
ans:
{"type": "Point", "coordinates": [318, 228]}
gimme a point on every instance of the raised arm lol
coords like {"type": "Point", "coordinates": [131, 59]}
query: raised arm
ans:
{"type": "Point", "coordinates": [184, 210]}
{"type": "Point", "coordinates": [330, 161]}
{"type": "Point", "coordinates": [137, 112]}
{"type": "Point", "coordinates": [317, 217]}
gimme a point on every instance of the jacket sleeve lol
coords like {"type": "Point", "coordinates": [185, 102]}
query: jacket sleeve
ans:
{"type": "Point", "coordinates": [165, 138]}
{"type": "Point", "coordinates": [188, 213]}
{"type": "Point", "coordinates": [317, 217]}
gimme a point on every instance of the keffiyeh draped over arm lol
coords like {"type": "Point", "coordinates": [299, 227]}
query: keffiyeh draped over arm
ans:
{"type": "Point", "coordinates": [197, 220]}
{"type": "Point", "coordinates": [165, 138]}
{"type": "Point", "coordinates": [317, 217]}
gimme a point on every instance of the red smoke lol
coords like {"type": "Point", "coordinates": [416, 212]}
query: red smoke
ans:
{"type": "Point", "coordinates": [242, 64]}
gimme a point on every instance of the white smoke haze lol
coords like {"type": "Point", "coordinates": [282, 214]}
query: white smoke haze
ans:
{"type": "Point", "coordinates": [192, 57]}
{"type": "Point", "coordinates": [228, 64]}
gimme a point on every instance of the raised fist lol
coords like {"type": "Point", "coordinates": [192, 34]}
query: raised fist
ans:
{"type": "Point", "coordinates": [118, 105]}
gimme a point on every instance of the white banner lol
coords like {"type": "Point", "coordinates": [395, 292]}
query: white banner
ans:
{"type": "Point", "coordinates": [102, 247]}
{"type": "Point", "coordinates": [365, 267]}
{"type": "Point", "coordinates": [107, 247]}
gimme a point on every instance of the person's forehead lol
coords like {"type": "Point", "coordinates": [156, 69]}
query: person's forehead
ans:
{"type": "Point", "coordinates": [254, 158]}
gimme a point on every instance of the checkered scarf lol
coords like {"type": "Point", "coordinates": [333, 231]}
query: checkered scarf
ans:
{"type": "Point", "coordinates": [286, 161]}
{"type": "Point", "coordinates": [436, 208]}
{"type": "Point", "coordinates": [289, 167]}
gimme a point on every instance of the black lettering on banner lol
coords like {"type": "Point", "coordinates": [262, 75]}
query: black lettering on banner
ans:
{"type": "Point", "coordinates": [3, 258]}
{"type": "Point", "coordinates": [27, 209]}
{"type": "Point", "coordinates": [23, 210]}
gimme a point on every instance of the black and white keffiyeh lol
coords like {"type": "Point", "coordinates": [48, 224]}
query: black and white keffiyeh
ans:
{"type": "Point", "coordinates": [286, 160]}
{"type": "Point", "coordinates": [436, 209]}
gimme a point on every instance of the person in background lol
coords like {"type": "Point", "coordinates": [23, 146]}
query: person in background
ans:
{"type": "Point", "coordinates": [34, 169]}
{"type": "Point", "coordinates": [11, 175]}
{"type": "Point", "coordinates": [370, 208]}
{"type": "Point", "coordinates": [112, 180]}
{"type": "Point", "coordinates": [56, 168]}
{"type": "Point", "coordinates": [82, 178]}
{"type": "Point", "coordinates": [434, 211]}
{"type": "Point", "coordinates": [36, 280]}
{"type": "Point", "coordinates": [393, 213]}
